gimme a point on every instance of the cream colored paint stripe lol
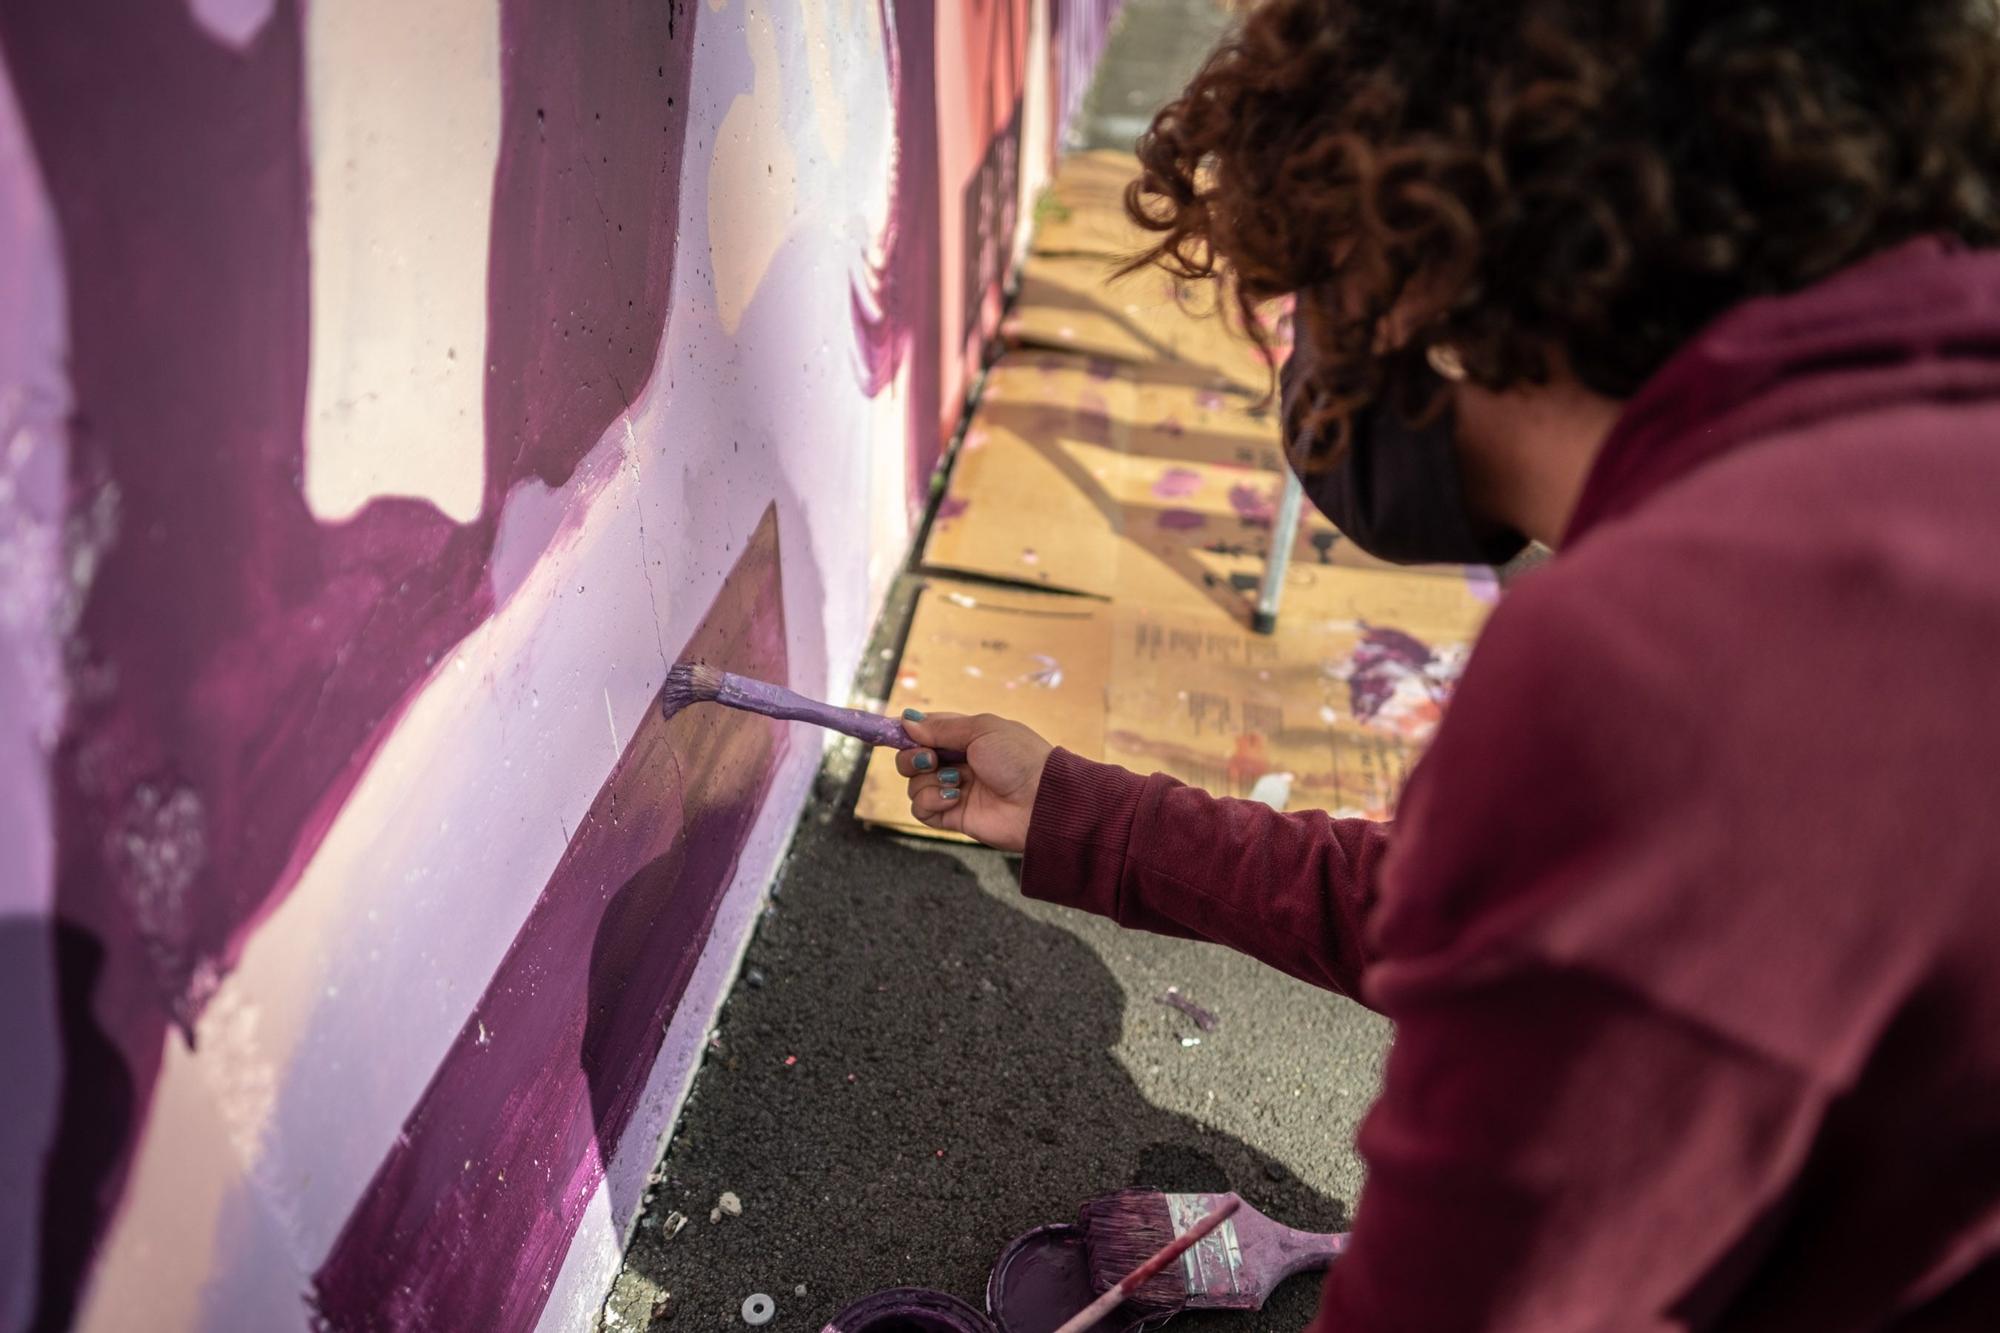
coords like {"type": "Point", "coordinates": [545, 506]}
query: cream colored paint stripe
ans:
{"type": "Point", "coordinates": [403, 103]}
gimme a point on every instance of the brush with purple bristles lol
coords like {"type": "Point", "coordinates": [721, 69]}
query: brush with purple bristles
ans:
{"type": "Point", "coordinates": [1234, 1267]}
{"type": "Point", "coordinates": [693, 683]}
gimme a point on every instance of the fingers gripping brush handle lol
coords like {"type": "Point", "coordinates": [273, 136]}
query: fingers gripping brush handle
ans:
{"type": "Point", "coordinates": [690, 683]}
{"type": "Point", "coordinates": [1138, 1277]}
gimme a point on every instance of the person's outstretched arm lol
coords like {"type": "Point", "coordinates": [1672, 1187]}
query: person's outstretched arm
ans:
{"type": "Point", "coordinates": [1290, 890]}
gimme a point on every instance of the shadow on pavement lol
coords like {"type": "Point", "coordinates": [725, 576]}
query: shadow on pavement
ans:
{"type": "Point", "coordinates": [913, 1070]}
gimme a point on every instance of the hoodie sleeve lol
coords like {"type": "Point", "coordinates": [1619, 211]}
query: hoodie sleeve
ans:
{"type": "Point", "coordinates": [1291, 890]}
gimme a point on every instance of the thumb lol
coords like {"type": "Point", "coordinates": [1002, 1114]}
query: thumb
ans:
{"type": "Point", "coordinates": [940, 731]}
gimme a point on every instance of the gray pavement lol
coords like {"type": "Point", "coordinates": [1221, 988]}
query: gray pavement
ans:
{"type": "Point", "coordinates": [918, 1064]}
{"type": "Point", "coordinates": [1158, 46]}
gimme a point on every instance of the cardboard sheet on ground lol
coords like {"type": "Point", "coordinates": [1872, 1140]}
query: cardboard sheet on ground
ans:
{"type": "Point", "coordinates": [1073, 303]}
{"type": "Point", "coordinates": [1325, 714]}
{"type": "Point", "coordinates": [1040, 657]}
{"type": "Point", "coordinates": [1084, 476]}
{"type": "Point", "coordinates": [1083, 209]}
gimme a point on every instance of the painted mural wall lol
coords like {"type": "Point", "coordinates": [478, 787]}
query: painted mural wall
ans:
{"type": "Point", "coordinates": [388, 394]}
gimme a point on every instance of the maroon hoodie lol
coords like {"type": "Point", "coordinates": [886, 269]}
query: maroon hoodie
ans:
{"type": "Point", "coordinates": [1689, 920]}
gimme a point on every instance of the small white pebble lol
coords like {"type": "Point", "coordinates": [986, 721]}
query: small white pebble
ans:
{"type": "Point", "coordinates": [799, 1290]}
{"type": "Point", "coordinates": [730, 1204]}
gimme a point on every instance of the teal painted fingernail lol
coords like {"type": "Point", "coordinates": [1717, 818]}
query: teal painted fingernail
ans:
{"type": "Point", "coordinates": [949, 776]}
{"type": "Point", "coordinates": [924, 763]}
{"type": "Point", "coordinates": [912, 715]}
{"type": "Point", "coordinates": [951, 793]}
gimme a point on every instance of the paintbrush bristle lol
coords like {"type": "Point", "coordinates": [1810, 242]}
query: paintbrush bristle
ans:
{"type": "Point", "coordinates": [1122, 1231]}
{"type": "Point", "coordinates": [689, 683]}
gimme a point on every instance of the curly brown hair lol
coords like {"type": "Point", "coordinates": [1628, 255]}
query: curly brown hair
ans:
{"type": "Point", "coordinates": [1588, 181]}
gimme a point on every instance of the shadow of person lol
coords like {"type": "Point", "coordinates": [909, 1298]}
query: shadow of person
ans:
{"type": "Point", "coordinates": [913, 1069]}
{"type": "Point", "coordinates": [72, 1052]}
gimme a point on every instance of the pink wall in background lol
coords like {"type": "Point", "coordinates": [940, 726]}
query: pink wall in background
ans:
{"type": "Point", "coordinates": [387, 396]}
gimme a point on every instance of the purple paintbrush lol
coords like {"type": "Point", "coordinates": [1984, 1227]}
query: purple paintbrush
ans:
{"type": "Point", "coordinates": [693, 683]}
{"type": "Point", "coordinates": [1235, 1267]}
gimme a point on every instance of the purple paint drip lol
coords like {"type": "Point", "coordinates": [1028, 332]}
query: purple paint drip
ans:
{"type": "Point", "coordinates": [1203, 1018]}
{"type": "Point", "coordinates": [757, 696]}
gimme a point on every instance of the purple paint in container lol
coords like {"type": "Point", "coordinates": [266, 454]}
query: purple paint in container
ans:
{"type": "Point", "coordinates": [1041, 1280]}
{"type": "Point", "coordinates": [909, 1310]}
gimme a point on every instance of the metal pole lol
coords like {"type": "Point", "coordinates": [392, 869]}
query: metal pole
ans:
{"type": "Point", "coordinates": [1284, 536]}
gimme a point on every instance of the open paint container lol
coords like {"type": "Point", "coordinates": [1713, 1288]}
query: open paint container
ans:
{"type": "Point", "coordinates": [1041, 1279]}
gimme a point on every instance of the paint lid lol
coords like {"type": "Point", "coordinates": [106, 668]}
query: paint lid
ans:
{"type": "Point", "coordinates": [909, 1310]}
{"type": "Point", "coordinates": [1042, 1279]}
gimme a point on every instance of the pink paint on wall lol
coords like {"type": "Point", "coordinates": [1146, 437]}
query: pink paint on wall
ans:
{"type": "Point", "coordinates": [959, 76]}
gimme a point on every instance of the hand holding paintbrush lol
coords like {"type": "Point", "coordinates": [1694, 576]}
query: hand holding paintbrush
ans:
{"type": "Point", "coordinates": [692, 683]}
{"type": "Point", "coordinates": [991, 805]}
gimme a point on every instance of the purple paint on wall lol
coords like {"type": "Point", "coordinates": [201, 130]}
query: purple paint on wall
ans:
{"type": "Point", "coordinates": [236, 662]}
{"type": "Point", "coordinates": [467, 1220]}
{"type": "Point", "coordinates": [586, 211]}
{"type": "Point", "coordinates": [897, 313]}
{"type": "Point", "coordinates": [989, 204]}
{"type": "Point", "coordinates": [1077, 32]}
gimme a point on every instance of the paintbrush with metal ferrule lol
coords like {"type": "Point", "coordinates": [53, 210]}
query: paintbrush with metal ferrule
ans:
{"type": "Point", "coordinates": [1235, 1267]}
{"type": "Point", "coordinates": [1152, 1266]}
{"type": "Point", "coordinates": [692, 683]}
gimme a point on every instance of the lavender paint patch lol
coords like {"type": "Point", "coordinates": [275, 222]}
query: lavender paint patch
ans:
{"type": "Point", "coordinates": [1203, 1018]}
{"type": "Point", "coordinates": [1253, 505]}
{"type": "Point", "coordinates": [156, 851]}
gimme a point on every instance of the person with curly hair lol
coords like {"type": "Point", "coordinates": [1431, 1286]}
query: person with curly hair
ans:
{"type": "Point", "coordinates": [1689, 919]}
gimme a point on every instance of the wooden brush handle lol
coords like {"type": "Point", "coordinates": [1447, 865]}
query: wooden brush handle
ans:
{"type": "Point", "coordinates": [776, 701]}
{"type": "Point", "coordinates": [1305, 1251]}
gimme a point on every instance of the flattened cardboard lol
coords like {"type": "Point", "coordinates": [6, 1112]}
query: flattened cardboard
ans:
{"type": "Point", "coordinates": [1038, 657]}
{"type": "Point", "coordinates": [1083, 209]}
{"type": "Point", "coordinates": [1325, 714]}
{"type": "Point", "coordinates": [1322, 715]}
{"type": "Point", "coordinates": [1084, 476]}
{"type": "Point", "coordinates": [1074, 303]}
{"type": "Point", "coordinates": [1137, 462]}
